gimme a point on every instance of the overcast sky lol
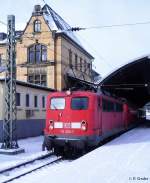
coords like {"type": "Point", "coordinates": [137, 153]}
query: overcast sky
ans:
{"type": "Point", "coordinates": [111, 47]}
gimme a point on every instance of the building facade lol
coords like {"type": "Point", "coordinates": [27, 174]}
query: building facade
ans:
{"type": "Point", "coordinates": [48, 52]}
{"type": "Point", "coordinates": [31, 108]}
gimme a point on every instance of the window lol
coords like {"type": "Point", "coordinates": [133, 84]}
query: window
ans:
{"type": "Point", "coordinates": [76, 61]}
{"type": "Point", "coordinates": [79, 103]}
{"type": "Point", "coordinates": [37, 54]}
{"type": "Point", "coordinates": [80, 64]}
{"type": "Point", "coordinates": [43, 101]}
{"type": "Point", "coordinates": [0, 59]}
{"type": "Point", "coordinates": [27, 100]}
{"type": "Point", "coordinates": [39, 79]}
{"type": "Point", "coordinates": [89, 67]}
{"type": "Point", "coordinates": [37, 26]}
{"type": "Point", "coordinates": [35, 101]}
{"type": "Point", "coordinates": [17, 99]}
{"type": "Point", "coordinates": [57, 103]}
{"type": "Point", "coordinates": [108, 106]}
{"type": "Point", "coordinates": [85, 68]}
{"type": "Point", "coordinates": [118, 107]}
{"type": "Point", "coordinates": [70, 58]}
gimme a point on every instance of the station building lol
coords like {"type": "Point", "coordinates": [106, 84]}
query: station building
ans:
{"type": "Point", "coordinates": [48, 53]}
{"type": "Point", "coordinates": [49, 57]}
{"type": "Point", "coordinates": [31, 108]}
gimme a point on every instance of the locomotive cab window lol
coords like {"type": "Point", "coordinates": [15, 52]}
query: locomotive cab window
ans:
{"type": "Point", "coordinates": [79, 103]}
{"type": "Point", "coordinates": [57, 103]}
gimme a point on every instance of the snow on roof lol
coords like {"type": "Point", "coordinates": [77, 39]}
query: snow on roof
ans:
{"type": "Point", "coordinates": [55, 22]}
{"type": "Point", "coordinates": [3, 41]}
{"type": "Point", "coordinates": [122, 65]}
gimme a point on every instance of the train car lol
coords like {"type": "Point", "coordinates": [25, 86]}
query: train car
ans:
{"type": "Point", "coordinates": [78, 120]}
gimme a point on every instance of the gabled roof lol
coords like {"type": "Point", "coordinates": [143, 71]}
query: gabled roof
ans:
{"type": "Point", "coordinates": [56, 22]}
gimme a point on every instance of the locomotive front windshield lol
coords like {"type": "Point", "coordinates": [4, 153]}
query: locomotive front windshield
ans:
{"type": "Point", "coordinates": [79, 103]}
{"type": "Point", "coordinates": [57, 103]}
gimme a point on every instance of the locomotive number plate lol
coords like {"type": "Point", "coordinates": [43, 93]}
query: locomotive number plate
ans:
{"type": "Point", "coordinates": [67, 125]}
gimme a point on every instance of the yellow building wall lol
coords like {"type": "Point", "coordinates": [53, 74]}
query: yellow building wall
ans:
{"type": "Point", "coordinates": [3, 52]}
{"type": "Point", "coordinates": [29, 38]}
{"type": "Point", "coordinates": [57, 54]}
{"type": "Point", "coordinates": [65, 47]}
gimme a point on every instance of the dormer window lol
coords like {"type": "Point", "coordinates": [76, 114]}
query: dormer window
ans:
{"type": "Point", "coordinates": [37, 26]}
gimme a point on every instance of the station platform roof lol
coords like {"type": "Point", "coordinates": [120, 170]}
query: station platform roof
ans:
{"type": "Point", "coordinates": [131, 81]}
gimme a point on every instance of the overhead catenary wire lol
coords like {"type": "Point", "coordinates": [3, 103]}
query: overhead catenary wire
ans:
{"type": "Point", "coordinates": [93, 27]}
{"type": "Point", "coordinates": [44, 1]}
{"type": "Point", "coordinates": [97, 53]}
{"type": "Point", "coordinates": [108, 26]}
{"type": "Point", "coordinates": [1, 22]}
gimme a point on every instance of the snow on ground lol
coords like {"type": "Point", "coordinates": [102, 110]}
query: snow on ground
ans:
{"type": "Point", "coordinates": [33, 148]}
{"type": "Point", "coordinates": [126, 159]}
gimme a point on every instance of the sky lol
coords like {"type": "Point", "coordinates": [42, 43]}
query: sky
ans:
{"type": "Point", "coordinates": [111, 47]}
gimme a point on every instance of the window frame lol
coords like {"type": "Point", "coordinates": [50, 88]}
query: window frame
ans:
{"type": "Point", "coordinates": [76, 61]}
{"type": "Point", "coordinates": [32, 79]}
{"type": "Point", "coordinates": [0, 59]}
{"type": "Point", "coordinates": [43, 102]}
{"type": "Point", "coordinates": [37, 26]}
{"type": "Point", "coordinates": [70, 58]}
{"type": "Point", "coordinates": [81, 60]}
{"type": "Point", "coordinates": [87, 107]}
{"type": "Point", "coordinates": [35, 101]}
{"type": "Point", "coordinates": [55, 107]}
{"type": "Point", "coordinates": [37, 54]}
{"type": "Point", "coordinates": [108, 105]}
{"type": "Point", "coordinates": [27, 100]}
{"type": "Point", "coordinates": [18, 99]}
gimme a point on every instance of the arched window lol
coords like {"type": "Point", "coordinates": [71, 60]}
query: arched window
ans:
{"type": "Point", "coordinates": [37, 54]}
{"type": "Point", "coordinates": [37, 26]}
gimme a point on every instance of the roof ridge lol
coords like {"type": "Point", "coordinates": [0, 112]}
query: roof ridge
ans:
{"type": "Point", "coordinates": [51, 10]}
{"type": "Point", "coordinates": [57, 23]}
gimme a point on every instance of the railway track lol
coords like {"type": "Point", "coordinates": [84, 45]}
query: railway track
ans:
{"type": "Point", "coordinates": [28, 167]}
{"type": "Point", "coordinates": [26, 162]}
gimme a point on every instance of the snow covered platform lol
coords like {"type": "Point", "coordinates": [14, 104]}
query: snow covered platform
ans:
{"type": "Point", "coordinates": [12, 151]}
{"type": "Point", "coordinates": [125, 159]}
{"type": "Point", "coordinates": [33, 148]}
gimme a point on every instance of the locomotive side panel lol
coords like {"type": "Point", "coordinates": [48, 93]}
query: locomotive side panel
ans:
{"type": "Point", "coordinates": [112, 116]}
{"type": "Point", "coordinates": [129, 116]}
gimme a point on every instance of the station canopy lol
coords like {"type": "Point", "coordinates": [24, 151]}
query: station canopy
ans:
{"type": "Point", "coordinates": [131, 81]}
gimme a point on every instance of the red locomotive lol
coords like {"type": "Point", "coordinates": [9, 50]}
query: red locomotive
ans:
{"type": "Point", "coordinates": [81, 119]}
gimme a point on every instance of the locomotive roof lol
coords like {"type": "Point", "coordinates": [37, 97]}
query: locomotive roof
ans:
{"type": "Point", "coordinates": [82, 93]}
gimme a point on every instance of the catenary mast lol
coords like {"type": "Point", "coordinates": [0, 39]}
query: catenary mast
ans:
{"type": "Point", "coordinates": [9, 122]}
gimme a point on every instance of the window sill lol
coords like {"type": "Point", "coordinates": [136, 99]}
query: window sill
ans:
{"type": "Point", "coordinates": [44, 63]}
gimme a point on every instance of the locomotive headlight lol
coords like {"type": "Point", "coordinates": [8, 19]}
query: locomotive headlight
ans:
{"type": "Point", "coordinates": [68, 92]}
{"type": "Point", "coordinates": [51, 125]}
{"type": "Point", "coordinates": [84, 125]}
